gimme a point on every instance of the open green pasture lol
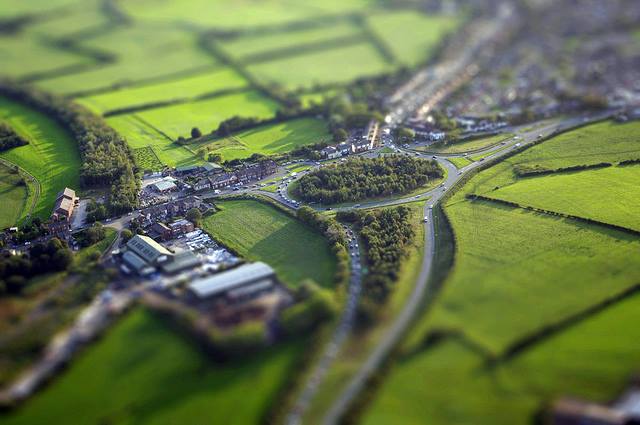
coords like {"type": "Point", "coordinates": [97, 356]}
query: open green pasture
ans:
{"type": "Point", "coordinates": [140, 53]}
{"type": "Point", "coordinates": [259, 232]}
{"type": "Point", "coordinates": [610, 195]}
{"type": "Point", "coordinates": [15, 8]}
{"type": "Point", "coordinates": [140, 135]}
{"type": "Point", "coordinates": [144, 372]}
{"type": "Point", "coordinates": [412, 36]}
{"type": "Point", "coordinates": [207, 114]}
{"type": "Point", "coordinates": [593, 359]}
{"type": "Point", "coordinates": [51, 156]}
{"type": "Point", "coordinates": [81, 16]}
{"type": "Point", "coordinates": [14, 197]}
{"type": "Point", "coordinates": [271, 139]}
{"type": "Point", "coordinates": [339, 65]}
{"type": "Point", "coordinates": [184, 88]}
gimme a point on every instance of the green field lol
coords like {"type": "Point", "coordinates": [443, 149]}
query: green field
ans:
{"type": "Point", "coordinates": [516, 273]}
{"type": "Point", "coordinates": [270, 139]}
{"type": "Point", "coordinates": [400, 33]}
{"type": "Point", "coordinates": [14, 197]}
{"type": "Point", "coordinates": [144, 372]}
{"type": "Point", "coordinates": [51, 156]}
{"type": "Point", "coordinates": [323, 67]}
{"type": "Point", "coordinates": [181, 89]}
{"type": "Point", "coordinates": [141, 53]}
{"type": "Point", "coordinates": [139, 135]}
{"type": "Point", "coordinates": [178, 120]}
{"type": "Point", "coordinates": [471, 145]}
{"type": "Point", "coordinates": [147, 159]}
{"type": "Point", "coordinates": [460, 162]}
{"type": "Point", "coordinates": [610, 195]}
{"type": "Point", "coordinates": [260, 232]}
{"type": "Point", "coordinates": [591, 360]}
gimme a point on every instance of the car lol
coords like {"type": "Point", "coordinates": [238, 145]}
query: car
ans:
{"type": "Point", "coordinates": [434, 157]}
{"type": "Point", "coordinates": [517, 145]}
{"type": "Point", "coordinates": [356, 206]}
{"type": "Point", "coordinates": [329, 209]}
{"type": "Point", "coordinates": [417, 196]}
{"type": "Point", "coordinates": [431, 206]}
{"type": "Point", "coordinates": [425, 219]}
{"type": "Point", "coordinates": [481, 159]}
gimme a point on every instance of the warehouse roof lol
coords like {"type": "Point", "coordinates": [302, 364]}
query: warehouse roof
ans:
{"type": "Point", "coordinates": [146, 248]}
{"type": "Point", "coordinates": [234, 278]}
{"type": "Point", "coordinates": [163, 185]}
{"type": "Point", "coordinates": [181, 261]}
{"type": "Point", "coordinates": [138, 264]}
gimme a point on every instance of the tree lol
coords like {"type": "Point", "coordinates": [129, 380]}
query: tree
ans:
{"type": "Point", "coordinates": [215, 157]}
{"type": "Point", "coordinates": [195, 216]}
{"type": "Point", "coordinates": [126, 234]}
{"type": "Point", "coordinates": [195, 133]}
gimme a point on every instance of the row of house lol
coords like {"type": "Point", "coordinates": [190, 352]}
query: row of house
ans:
{"type": "Point", "coordinates": [366, 141]}
{"type": "Point", "coordinates": [241, 175]}
{"type": "Point", "coordinates": [172, 230]}
{"type": "Point", "coordinates": [60, 223]}
{"type": "Point", "coordinates": [171, 209]}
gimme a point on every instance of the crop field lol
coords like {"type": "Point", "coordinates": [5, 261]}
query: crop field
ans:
{"type": "Point", "coordinates": [182, 89]}
{"type": "Point", "coordinates": [126, 378]}
{"type": "Point", "coordinates": [271, 139]}
{"type": "Point", "coordinates": [411, 47]}
{"type": "Point", "coordinates": [14, 197]}
{"type": "Point", "coordinates": [178, 120]}
{"type": "Point", "coordinates": [518, 274]}
{"type": "Point", "coordinates": [260, 232]}
{"type": "Point", "coordinates": [51, 156]}
{"type": "Point", "coordinates": [590, 360]}
{"type": "Point", "coordinates": [609, 195]}
{"type": "Point", "coordinates": [470, 145]}
{"type": "Point", "coordinates": [323, 67]}
{"type": "Point", "coordinates": [140, 135]}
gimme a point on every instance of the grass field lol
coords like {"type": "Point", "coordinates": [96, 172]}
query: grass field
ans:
{"type": "Point", "coordinates": [178, 120]}
{"type": "Point", "coordinates": [184, 88]}
{"type": "Point", "coordinates": [51, 156]}
{"type": "Point", "coordinates": [471, 145]}
{"type": "Point", "coordinates": [14, 197]}
{"type": "Point", "coordinates": [141, 136]}
{"type": "Point", "coordinates": [271, 139]}
{"type": "Point", "coordinates": [410, 46]}
{"type": "Point", "coordinates": [260, 232]}
{"type": "Point", "coordinates": [144, 372]}
{"type": "Point", "coordinates": [141, 53]}
{"type": "Point", "coordinates": [592, 360]}
{"type": "Point", "coordinates": [610, 195]}
{"type": "Point", "coordinates": [459, 162]}
{"type": "Point", "coordinates": [323, 67]}
{"type": "Point", "coordinates": [147, 159]}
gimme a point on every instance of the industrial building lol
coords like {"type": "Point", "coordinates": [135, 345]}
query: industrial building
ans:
{"type": "Point", "coordinates": [253, 278]}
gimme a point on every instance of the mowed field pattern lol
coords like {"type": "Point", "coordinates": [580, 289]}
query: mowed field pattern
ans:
{"type": "Point", "coordinates": [142, 371]}
{"type": "Point", "coordinates": [51, 156]}
{"type": "Point", "coordinates": [260, 232]}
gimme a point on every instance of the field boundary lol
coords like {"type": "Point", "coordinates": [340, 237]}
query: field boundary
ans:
{"type": "Point", "coordinates": [36, 185]}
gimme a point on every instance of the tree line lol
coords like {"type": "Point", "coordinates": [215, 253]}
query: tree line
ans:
{"type": "Point", "coordinates": [387, 235]}
{"type": "Point", "coordinates": [362, 178]}
{"type": "Point", "coordinates": [107, 160]}
{"type": "Point", "coordinates": [9, 138]}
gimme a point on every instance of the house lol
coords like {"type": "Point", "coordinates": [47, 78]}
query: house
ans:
{"type": "Point", "coordinates": [59, 228]}
{"type": "Point", "coordinates": [344, 148]}
{"type": "Point", "coordinates": [371, 133]}
{"type": "Point", "coordinates": [244, 276]}
{"type": "Point", "coordinates": [361, 145]}
{"type": "Point", "coordinates": [330, 152]}
{"type": "Point", "coordinates": [256, 171]}
{"type": "Point", "coordinates": [436, 136]}
{"type": "Point", "coordinates": [160, 231]}
{"type": "Point", "coordinates": [181, 227]}
{"type": "Point", "coordinates": [222, 180]}
{"type": "Point", "coordinates": [202, 184]}
{"type": "Point", "coordinates": [65, 203]}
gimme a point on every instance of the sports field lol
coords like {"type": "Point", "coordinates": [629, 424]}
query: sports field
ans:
{"type": "Point", "coordinates": [144, 372]}
{"type": "Point", "coordinates": [260, 232]}
{"type": "Point", "coordinates": [14, 197]}
{"type": "Point", "coordinates": [270, 139]}
{"type": "Point", "coordinates": [51, 156]}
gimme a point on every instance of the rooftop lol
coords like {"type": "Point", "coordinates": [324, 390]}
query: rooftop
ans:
{"type": "Point", "coordinates": [234, 278]}
{"type": "Point", "coordinates": [148, 249]}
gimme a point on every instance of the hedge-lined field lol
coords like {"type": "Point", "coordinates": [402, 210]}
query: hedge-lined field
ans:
{"type": "Point", "coordinates": [259, 232]}
{"type": "Point", "coordinates": [270, 139]}
{"type": "Point", "coordinates": [144, 372]}
{"type": "Point", "coordinates": [14, 197]}
{"type": "Point", "coordinates": [51, 156]}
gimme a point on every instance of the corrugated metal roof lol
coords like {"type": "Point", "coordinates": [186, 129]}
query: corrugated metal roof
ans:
{"type": "Point", "coordinates": [230, 279]}
{"type": "Point", "coordinates": [147, 248]}
{"type": "Point", "coordinates": [134, 261]}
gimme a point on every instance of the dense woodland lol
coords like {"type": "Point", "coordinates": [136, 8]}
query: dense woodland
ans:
{"type": "Point", "coordinates": [363, 178]}
{"type": "Point", "coordinates": [9, 138]}
{"type": "Point", "coordinates": [386, 236]}
{"type": "Point", "coordinates": [106, 157]}
{"type": "Point", "coordinates": [42, 258]}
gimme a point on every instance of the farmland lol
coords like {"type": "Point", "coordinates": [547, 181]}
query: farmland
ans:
{"type": "Point", "coordinates": [270, 139]}
{"type": "Point", "coordinates": [514, 284]}
{"type": "Point", "coordinates": [14, 197]}
{"type": "Point", "coordinates": [51, 155]}
{"type": "Point", "coordinates": [125, 377]}
{"type": "Point", "coordinates": [260, 232]}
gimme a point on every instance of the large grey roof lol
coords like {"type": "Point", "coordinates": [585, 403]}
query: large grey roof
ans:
{"type": "Point", "coordinates": [147, 248]}
{"type": "Point", "coordinates": [230, 279]}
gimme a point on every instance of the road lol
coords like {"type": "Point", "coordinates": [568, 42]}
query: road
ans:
{"type": "Point", "coordinates": [404, 319]}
